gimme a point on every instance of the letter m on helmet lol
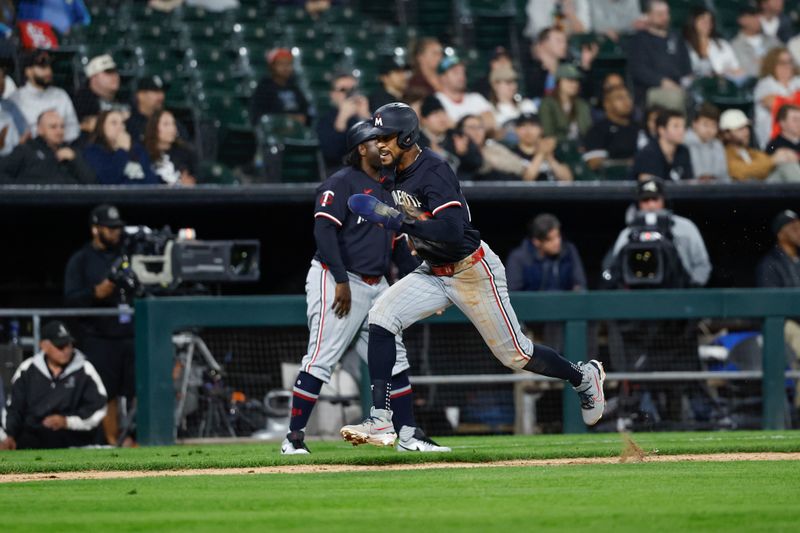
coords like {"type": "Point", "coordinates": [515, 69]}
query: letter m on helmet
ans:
{"type": "Point", "coordinates": [378, 121]}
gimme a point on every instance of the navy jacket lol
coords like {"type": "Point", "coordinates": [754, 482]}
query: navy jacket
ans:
{"type": "Point", "coordinates": [527, 270]}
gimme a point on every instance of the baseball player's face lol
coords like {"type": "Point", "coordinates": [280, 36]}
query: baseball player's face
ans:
{"type": "Point", "coordinates": [388, 149]}
{"type": "Point", "coordinates": [369, 151]}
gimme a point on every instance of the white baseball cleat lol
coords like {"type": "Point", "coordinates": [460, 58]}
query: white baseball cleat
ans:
{"type": "Point", "coordinates": [376, 429]}
{"type": "Point", "coordinates": [294, 444]}
{"type": "Point", "coordinates": [414, 440]}
{"type": "Point", "coordinates": [590, 392]}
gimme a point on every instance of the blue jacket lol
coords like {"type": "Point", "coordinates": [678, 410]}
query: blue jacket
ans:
{"type": "Point", "coordinates": [527, 270]}
{"type": "Point", "coordinates": [120, 167]}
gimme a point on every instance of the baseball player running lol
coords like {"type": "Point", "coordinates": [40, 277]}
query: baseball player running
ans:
{"type": "Point", "coordinates": [345, 279]}
{"type": "Point", "coordinates": [458, 269]}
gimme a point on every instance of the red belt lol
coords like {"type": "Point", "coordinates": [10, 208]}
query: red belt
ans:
{"type": "Point", "coordinates": [451, 269]}
{"type": "Point", "coordinates": [369, 280]}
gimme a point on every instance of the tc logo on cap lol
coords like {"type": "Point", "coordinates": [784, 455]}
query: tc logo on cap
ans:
{"type": "Point", "coordinates": [378, 121]}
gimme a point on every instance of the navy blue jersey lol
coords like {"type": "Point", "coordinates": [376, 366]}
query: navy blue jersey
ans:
{"type": "Point", "coordinates": [430, 185]}
{"type": "Point", "coordinates": [364, 247]}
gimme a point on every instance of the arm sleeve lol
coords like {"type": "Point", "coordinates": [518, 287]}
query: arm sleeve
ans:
{"type": "Point", "coordinates": [71, 126]}
{"type": "Point", "coordinates": [759, 168]}
{"type": "Point", "coordinates": [767, 275]}
{"type": "Point", "coordinates": [14, 413]}
{"type": "Point", "coordinates": [11, 165]}
{"type": "Point", "coordinates": [547, 114]}
{"type": "Point", "coordinates": [401, 255]}
{"type": "Point", "coordinates": [515, 276]}
{"type": "Point", "coordinates": [82, 172]}
{"type": "Point", "coordinates": [326, 237]}
{"type": "Point", "coordinates": [446, 226]}
{"type": "Point", "coordinates": [578, 273]}
{"type": "Point", "coordinates": [701, 263]}
{"type": "Point", "coordinates": [76, 291]}
{"type": "Point", "coordinates": [92, 406]}
{"type": "Point", "coordinates": [642, 164]}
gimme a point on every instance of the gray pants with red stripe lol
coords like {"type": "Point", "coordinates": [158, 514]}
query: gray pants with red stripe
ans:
{"type": "Point", "coordinates": [480, 292]}
{"type": "Point", "coordinates": [330, 336]}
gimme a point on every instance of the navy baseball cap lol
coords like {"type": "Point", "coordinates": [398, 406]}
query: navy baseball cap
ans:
{"type": "Point", "coordinates": [150, 83]}
{"type": "Point", "coordinates": [360, 132]}
{"type": "Point", "coordinates": [431, 105]}
{"type": "Point", "coordinates": [527, 118]}
{"type": "Point", "coordinates": [650, 188]}
{"type": "Point", "coordinates": [57, 333]}
{"type": "Point", "coordinates": [781, 219]}
{"type": "Point", "coordinates": [107, 216]}
{"type": "Point", "coordinates": [391, 63]}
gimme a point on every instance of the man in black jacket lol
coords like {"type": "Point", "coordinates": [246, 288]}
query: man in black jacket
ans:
{"type": "Point", "coordinates": [780, 267]}
{"type": "Point", "coordinates": [46, 159]}
{"type": "Point", "coordinates": [57, 399]}
{"type": "Point", "coordinates": [108, 341]}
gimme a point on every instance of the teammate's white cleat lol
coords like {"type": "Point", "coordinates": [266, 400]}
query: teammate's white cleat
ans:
{"type": "Point", "coordinates": [414, 440]}
{"type": "Point", "coordinates": [590, 391]}
{"type": "Point", "coordinates": [294, 444]}
{"type": "Point", "coordinates": [376, 429]}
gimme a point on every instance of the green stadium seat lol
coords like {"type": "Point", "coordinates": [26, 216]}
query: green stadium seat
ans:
{"type": "Point", "coordinates": [292, 147]}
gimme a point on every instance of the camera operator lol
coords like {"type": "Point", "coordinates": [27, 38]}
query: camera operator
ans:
{"type": "Point", "coordinates": [683, 233]}
{"type": "Point", "coordinates": [106, 341]}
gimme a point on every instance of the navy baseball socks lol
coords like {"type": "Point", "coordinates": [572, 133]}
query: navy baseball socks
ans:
{"type": "Point", "coordinates": [304, 397]}
{"type": "Point", "coordinates": [586, 378]}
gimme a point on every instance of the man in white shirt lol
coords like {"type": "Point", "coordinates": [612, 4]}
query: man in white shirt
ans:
{"type": "Point", "coordinates": [457, 102]}
{"type": "Point", "coordinates": [38, 95]}
{"type": "Point", "coordinates": [774, 22]}
{"type": "Point", "coordinates": [751, 45]}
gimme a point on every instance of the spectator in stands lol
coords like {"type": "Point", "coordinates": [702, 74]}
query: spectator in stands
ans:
{"type": "Point", "coordinates": [780, 267]}
{"type": "Point", "coordinates": [507, 103]}
{"type": "Point", "coordinates": [172, 159]}
{"type": "Point", "coordinates": [499, 60]}
{"type": "Point", "coordinates": [779, 84]}
{"type": "Point", "coordinates": [547, 53]}
{"type": "Point", "coordinates": [56, 400]}
{"type": "Point", "coordinates": [751, 45]}
{"type": "Point", "coordinates": [746, 163]}
{"type": "Point", "coordinates": [571, 16]}
{"type": "Point", "coordinates": [706, 150]}
{"type": "Point", "coordinates": [543, 261]}
{"type": "Point", "coordinates": [453, 144]}
{"type": "Point", "coordinates": [538, 152]}
{"type": "Point", "coordinates": [39, 95]}
{"type": "Point", "coordinates": [710, 54]}
{"type": "Point", "coordinates": [107, 341]}
{"type": "Point", "coordinates": [46, 159]}
{"type": "Point", "coordinates": [393, 73]}
{"type": "Point", "coordinates": [9, 138]}
{"type": "Point", "coordinates": [87, 111]}
{"type": "Point", "coordinates": [774, 22]}
{"type": "Point", "coordinates": [650, 116]}
{"type": "Point", "coordinates": [349, 106]}
{"type": "Point", "coordinates": [665, 157]}
{"type": "Point", "coordinates": [279, 92]}
{"type": "Point", "coordinates": [115, 158]}
{"type": "Point", "coordinates": [688, 241]}
{"type": "Point", "coordinates": [788, 118]}
{"type": "Point", "coordinates": [148, 99]}
{"type": "Point", "coordinates": [427, 54]}
{"type": "Point", "coordinates": [498, 161]}
{"type": "Point", "coordinates": [454, 96]}
{"type": "Point", "coordinates": [564, 114]}
{"type": "Point", "coordinates": [102, 84]}
{"type": "Point", "coordinates": [658, 57]}
{"type": "Point", "coordinates": [8, 106]}
{"type": "Point", "coordinates": [616, 138]}
{"type": "Point", "coordinates": [613, 17]}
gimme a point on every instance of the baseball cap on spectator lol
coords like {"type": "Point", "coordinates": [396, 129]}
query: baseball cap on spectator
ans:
{"type": "Point", "coordinates": [750, 8]}
{"type": "Point", "coordinates": [447, 63]}
{"type": "Point", "coordinates": [650, 188]}
{"type": "Point", "coordinates": [503, 74]}
{"type": "Point", "coordinates": [527, 118]}
{"type": "Point", "coordinates": [430, 105]}
{"type": "Point", "coordinates": [56, 332]}
{"type": "Point", "coordinates": [279, 53]}
{"type": "Point", "coordinates": [40, 58]}
{"type": "Point", "coordinates": [107, 216]}
{"type": "Point", "coordinates": [781, 219]}
{"type": "Point", "coordinates": [391, 63]}
{"type": "Point", "coordinates": [98, 64]}
{"type": "Point", "coordinates": [150, 83]}
{"type": "Point", "coordinates": [733, 119]}
{"type": "Point", "coordinates": [567, 71]}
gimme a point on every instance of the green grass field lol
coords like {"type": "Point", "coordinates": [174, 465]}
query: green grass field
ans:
{"type": "Point", "coordinates": [726, 496]}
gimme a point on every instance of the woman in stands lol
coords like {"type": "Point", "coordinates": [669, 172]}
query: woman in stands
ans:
{"type": "Point", "coordinates": [173, 160]}
{"type": "Point", "coordinates": [564, 114]}
{"type": "Point", "coordinates": [711, 56]}
{"type": "Point", "coordinates": [507, 103]}
{"type": "Point", "coordinates": [778, 84]}
{"type": "Point", "coordinates": [115, 158]}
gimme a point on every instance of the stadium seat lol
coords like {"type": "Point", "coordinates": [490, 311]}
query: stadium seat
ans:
{"type": "Point", "coordinates": [291, 149]}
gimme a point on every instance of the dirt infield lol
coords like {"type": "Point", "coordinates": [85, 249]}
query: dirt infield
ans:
{"type": "Point", "coordinates": [333, 468]}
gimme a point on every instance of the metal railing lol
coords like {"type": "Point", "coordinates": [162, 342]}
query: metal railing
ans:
{"type": "Point", "coordinates": [37, 314]}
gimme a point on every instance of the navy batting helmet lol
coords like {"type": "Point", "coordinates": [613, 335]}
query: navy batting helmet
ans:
{"type": "Point", "coordinates": [360, 132]}
{"type": "Point", "coordinates": [400, 119]}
